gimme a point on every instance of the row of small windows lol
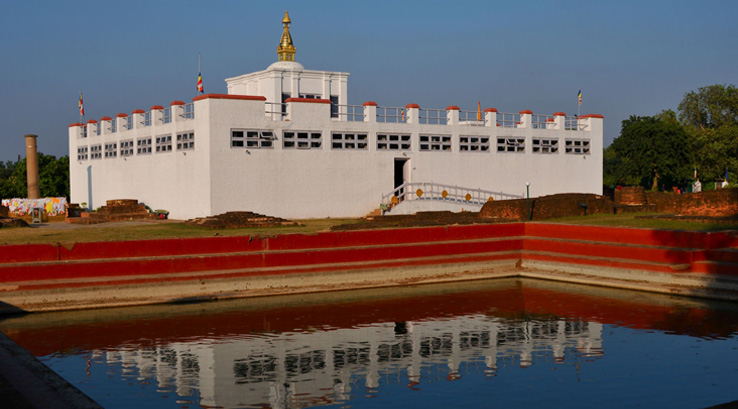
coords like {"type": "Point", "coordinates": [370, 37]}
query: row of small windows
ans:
{"type": "Point", "coordinates": [359, 141]}
{"type": "Point", "coordinates": [142, 146]}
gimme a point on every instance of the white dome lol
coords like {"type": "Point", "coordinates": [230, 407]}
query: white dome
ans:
{"type": "Point", "coordinates": [286, 65]}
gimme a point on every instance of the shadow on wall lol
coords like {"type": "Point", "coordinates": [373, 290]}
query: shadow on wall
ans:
{"type": "Point", "coordinates": [89, 188]}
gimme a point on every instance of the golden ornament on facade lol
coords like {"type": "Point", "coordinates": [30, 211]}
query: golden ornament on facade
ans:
{"type": "Point", "coordinates": [468, 197]}
{"type": "Point", "coordinates": [419, 192]}
{"type": "Point", "coordinates": [444, 194]}
{"type": "Point", "coordinates": [491, 199]}
{"type": "Point", "coordinates": [395, 200]}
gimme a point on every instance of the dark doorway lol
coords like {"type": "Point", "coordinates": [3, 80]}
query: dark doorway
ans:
{"type": "Point", "coordinates": [401, 175]}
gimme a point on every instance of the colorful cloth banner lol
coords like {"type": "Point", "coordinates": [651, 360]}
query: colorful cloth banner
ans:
{"type": "Point", "coordinates": [54, 206]}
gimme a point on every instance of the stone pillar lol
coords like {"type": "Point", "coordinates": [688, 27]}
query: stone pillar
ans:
{"type": "Point", "coordinates": [490, 117]}
{"type": "Point", "coordinates": [452, 115]}
{"type": "Point", "coordinates": [412, 113]}
{"type": "Point", "coordinates": [526, 119]}
{"type": "Point", "coordinates": [32, 167]}
{"type": "Point", "coordinates": [559, 120]}
{"type": "Point", "coordinates": [370, 111]}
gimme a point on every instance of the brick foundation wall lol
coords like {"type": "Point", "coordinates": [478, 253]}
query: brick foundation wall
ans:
{"type": "Point", "coordinates": [506, 209]}
{"type": "Point", "coordinates": [717, 203]}
{"type": "Point", "coordinates": [630, 195]}
{"type": "Point", "coordinates": [548, 207]}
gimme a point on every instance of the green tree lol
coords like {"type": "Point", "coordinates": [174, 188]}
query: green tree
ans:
{"type": "Point", "coordinates": [710, 107]}
{"type": "Point", "coordinates": [652, 152]}
{"type": "Point", "coordinates": [13, 180]}
{"type": "Point", "coordinates": [53, 177]}
{"type": "Point", "coordinates": [710, 116]}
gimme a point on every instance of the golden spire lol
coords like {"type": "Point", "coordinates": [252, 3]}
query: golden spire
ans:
{"type": "Point", "coordinates": [286, 50]}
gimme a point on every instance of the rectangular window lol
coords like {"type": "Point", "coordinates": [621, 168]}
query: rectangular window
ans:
{"type": "Point", "coordinates": [143, 146]}
{"type": "Point", "coordinates": [334, 106]}
{"type": "Point", "coordinates": [84, 131]}
{"type": "Point", "coordinates": [113, 126]}
{"type": "Point", "coordinates": [82, 153]}
{"type": "Point", "coordinates": [96, 152]}
{"type": "Point", "coordinates": [302, 140]}
{"type": "Point", "coordinates": [393, 142]}
{"type": "Point", "coordinates": [252, 139]}
{"type": "Point", "coordinates": [435, 143]}
{"type": "Point", "coordinates": [146, 119]}
{"type": "Point", "coordinates": [185, 141]}
{"type": "Point", "coordinates": [474, 143]}
{"type": "Point", "coordinates": [164, 143]}
{"type": "Point", "coordinates": [545, 145]}
{"type": "Point", "coordinates": [166, 115]}
{"type": "Point", "coordinates": [349, 141]}
{"type": "Point", "coordinates": [510, 144]}
{"type": "Point", "coordinates": [577, 146]}
{"type": "Point", "coordinates": [111, 150]}
{"type": "Point", "coordinates": [126, 148]}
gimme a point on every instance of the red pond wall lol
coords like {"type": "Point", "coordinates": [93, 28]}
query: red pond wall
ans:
{"type": "Point", "coordinates": [642, 249]}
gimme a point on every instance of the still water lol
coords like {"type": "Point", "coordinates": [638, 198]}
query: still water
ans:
{"type": "Point", "coordinates": [502, 343]}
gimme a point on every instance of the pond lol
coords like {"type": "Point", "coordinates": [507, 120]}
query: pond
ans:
{"type": "Point", "coordinates": [497, 343]}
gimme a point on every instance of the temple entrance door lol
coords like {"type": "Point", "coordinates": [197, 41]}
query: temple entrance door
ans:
{"type": "Point", "coordinates": [402, 175]}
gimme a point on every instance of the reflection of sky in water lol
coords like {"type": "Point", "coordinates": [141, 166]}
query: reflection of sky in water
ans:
{"type": "Point", "coordinates": [478, 352]}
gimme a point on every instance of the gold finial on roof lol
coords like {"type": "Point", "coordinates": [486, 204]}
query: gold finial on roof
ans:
{"type": "Point", "coordinates": [286, 50]}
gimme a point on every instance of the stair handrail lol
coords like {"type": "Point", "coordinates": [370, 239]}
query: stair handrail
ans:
{"type": "Point", "coordinates": [435, 191]}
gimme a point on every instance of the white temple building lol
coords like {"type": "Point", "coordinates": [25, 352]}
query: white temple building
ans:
{"type": "Point", "coordinates": [285, 142]}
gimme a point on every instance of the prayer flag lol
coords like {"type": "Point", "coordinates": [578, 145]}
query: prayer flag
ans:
{"type": "Point", "coordinates": [479, 110]}
{"type": "Point", "coordinates": [199, 83]}
{"type": "Point", "coordinates": [81, 105]}
{"type": "Point", "coordinates": [580, 96]}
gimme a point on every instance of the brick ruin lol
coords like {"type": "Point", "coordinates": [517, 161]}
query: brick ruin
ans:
{"type": "Point", "coordinates": [114, 211]}
{"type": "Point", "coordinates": [702, 206]}
{"type": "Point", "coordinates": [231, 220]}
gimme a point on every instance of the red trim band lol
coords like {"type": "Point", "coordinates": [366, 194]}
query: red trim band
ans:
{"type": "Point", "coordinates": [177, 103]}
{"type": "Point", "coordinates": [370, 104]}
{"type": "Point", "coordinates": [452, 108]}
{"type": "Point", "coordinates": [138, 111]}
{"type": "Point", "coordinates": [408, 106]}
{"type": "Point", "coordinates": [229, 96]}
{"type": "Point", "coordinates": [490, 110]}
{"type": "Point", "coordinates": [121, 115]}
{"type": "Point", "coordinates": [559, 114]}
{"type": "Point", "coordinates": [526, 111]}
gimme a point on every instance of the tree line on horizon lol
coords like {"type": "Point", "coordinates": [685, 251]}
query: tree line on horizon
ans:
{"type": "Point", "coordinates": [53, 177]}
{"type": "Point", "coordinates": [672, 149]}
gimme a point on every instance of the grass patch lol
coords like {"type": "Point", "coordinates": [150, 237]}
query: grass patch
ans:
{"type": "Point", "coordinates": [59, 232]}
{"type": "Point", "coordinates": [630, 220]}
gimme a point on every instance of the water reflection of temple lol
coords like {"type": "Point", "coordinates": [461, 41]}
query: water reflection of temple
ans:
{"type": "Point", "coordinates": [321, 366]}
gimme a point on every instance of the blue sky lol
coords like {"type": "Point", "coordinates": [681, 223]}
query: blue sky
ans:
{"type": "Point", "coordinates": [628, 57]}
